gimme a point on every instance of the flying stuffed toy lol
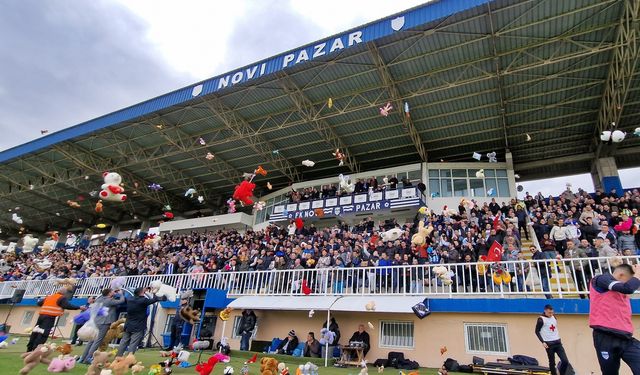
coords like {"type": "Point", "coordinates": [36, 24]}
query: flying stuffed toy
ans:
{"type": "Point", "coordinates": [299, 223]}
{"type": "Point", "coordinates": [99, 206]}
{"type": "Point", "coordinates": [209, 156]}
{"type": "Point", "coordinates": [191, 192]}
{"type": "Point", "coordinates": [269, 186]}
{"type": "Point", "coordinates": [243, 192]}
{"type": "Point", "coordinates": [200, 199]}
{"type": "Point", "coordinates": [112, 189]}
{"type": "Point", "coordinates": [329, 103]}
{"type": "Point", "coordinates": [202, 142]}
{"type": "Point", "coordinates": [480, 173]}
{"type": "Point", "coordinates": [339, 156]}
{"type": "Point", "coordinates": [232, 205]}
{"type": "Point", "coordinates": [16, 218]}
{"type": "Point", "coordinates": [73, 204]}
{"type": "Point", "coordinates": [155, 187]}
{"type": "Point", "coordinates": [391, 234]}
{"type": "Point", "coordinates": [167, 215]}
{"type": "Point", "coordinates": [308, 163]}
{"type": "Point", "coordinates": [160, 290]}
{"type": "Point", "coordinates": [261, 171]}
{"type": "Point", "coordinates": [406, 109]}
{"type": "Point", "coordinates": [345, 184]}
{"type": "Point", "coordinates": [384, 111]}
{"type": "Point", "coordinates": [259, 206]}
{"type": "Point", "coordinates": [28, 243]}
{"type": "Point", "coordinates": [492, 157]}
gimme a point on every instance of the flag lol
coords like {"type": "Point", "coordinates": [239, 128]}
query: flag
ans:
{"type": "Point", "coordinates": [495, 252]}
{"type": "Point", "coordinates": [496, 222]}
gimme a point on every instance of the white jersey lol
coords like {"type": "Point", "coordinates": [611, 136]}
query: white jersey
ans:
{"type": "Point", "coordinates": [549, 331]}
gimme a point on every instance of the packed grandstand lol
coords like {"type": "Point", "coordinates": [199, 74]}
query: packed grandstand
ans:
{"type": "Point", "coordinates": [572, 225]}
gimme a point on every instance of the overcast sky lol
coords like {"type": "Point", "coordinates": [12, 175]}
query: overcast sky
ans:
{"type": "Point", "coordinates": [67, 61]}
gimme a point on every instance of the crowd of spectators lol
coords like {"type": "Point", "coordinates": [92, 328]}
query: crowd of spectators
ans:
{"type": "Point", "coordinates": [573, 225]}
{"type": "Point", "coordinates": [360, 186]}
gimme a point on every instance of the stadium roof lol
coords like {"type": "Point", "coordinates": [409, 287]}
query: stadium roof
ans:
{"type": "Point", "coordinates": [477, 76]}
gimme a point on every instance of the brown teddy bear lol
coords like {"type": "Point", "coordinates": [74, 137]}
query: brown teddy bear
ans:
{"type": "Point", "coordinates": [40, 355]}
{"type": "Point", "coordinates": [268, 366]}
{"type": "Point", "coordinates": [190, 315]}
{"type": "Point", "coordinates": [100, 361]}
{"type": "Point", "coordinates": [116, 330]}
{"type": "Point", "coordinates": [121, 365]}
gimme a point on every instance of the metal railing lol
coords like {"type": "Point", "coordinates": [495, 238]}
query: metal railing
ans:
{"type": "Point", "coordinates": [566, 278]}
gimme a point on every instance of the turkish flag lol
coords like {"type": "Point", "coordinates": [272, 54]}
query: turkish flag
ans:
{"type": "Point", "coordinates": [496, 222]}
{"type": "Point", "coordinates": [495, 252]}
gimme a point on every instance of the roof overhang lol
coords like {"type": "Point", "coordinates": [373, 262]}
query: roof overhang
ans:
{"type": "Point", "coordinates": [384, 304]}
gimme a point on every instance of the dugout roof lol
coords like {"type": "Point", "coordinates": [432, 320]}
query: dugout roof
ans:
{"type": "Point", "coordinates": [477, 76]}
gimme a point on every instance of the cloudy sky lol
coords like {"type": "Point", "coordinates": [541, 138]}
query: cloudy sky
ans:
{"type": "Point", "coordinates": [67, 61]}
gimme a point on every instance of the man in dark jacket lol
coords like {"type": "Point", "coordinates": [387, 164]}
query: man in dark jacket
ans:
{"type": "Point", "coordinates": [246, 327]}
{"type": "Point", "coordinates": [288, 345]}
{"type": "Point", "coordinates": [136, 324]}
{"type": "Point", "coordinates": [361, 336]}
{"type": "Point", "coordinates": [176, 326]}
{"type": "Point", "coordinates": [109, 299]}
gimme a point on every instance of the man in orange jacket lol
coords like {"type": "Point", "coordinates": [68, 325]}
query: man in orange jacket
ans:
{"type": "Point", "coordinates": [51, 307]}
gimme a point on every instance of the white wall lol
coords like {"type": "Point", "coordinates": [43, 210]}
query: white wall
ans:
{"type": "Point", "coordinates": [237, 220]}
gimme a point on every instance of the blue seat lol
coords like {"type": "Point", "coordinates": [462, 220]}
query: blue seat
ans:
{"type": "Point", "coordinates": [299, 350]}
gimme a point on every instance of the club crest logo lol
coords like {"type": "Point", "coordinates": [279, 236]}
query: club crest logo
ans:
{"type": "Point", "coordinates": [197, 90]}
{"type": "Point", "coordinates": [397, 23]}
{"type": "Point", "coordinates": [605, 355]}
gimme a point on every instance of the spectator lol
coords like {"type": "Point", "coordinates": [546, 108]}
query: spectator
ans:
{"type": "Point", "coordinates": [289, 344]}
{"type": "Point", "coordinates": [361, 336]}
{"type": "Point", "coordinates": [312, 346]}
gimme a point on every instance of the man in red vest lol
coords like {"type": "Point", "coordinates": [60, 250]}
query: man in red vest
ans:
{"type": "Point", "coordinates": [610, 318]}
{"type": "Point", "coordinates": [51, 307]}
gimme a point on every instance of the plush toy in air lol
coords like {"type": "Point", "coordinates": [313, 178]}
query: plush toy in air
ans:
{"type": "Point", "coordinates": [190, 315]}
{"type": "Point", "coordinates": [420, 238]}
{"type": "Point", "coordinates": [345, 184]}
{"type": "Point", "coordinates": [384, 111]}
{"type": "Point", "coordinates": [190, 193]}
{"type": "Point", "coordinates": [167, 215]}
{"type": "Point", "coordinates": [243, 192]}
{"type": "Point", "coordinates": [391, 234]}
{"type": "Point", "coordinates": [339, 156]}
{"type": "Point", "coordinates": [17, 219]}
{"type": "Point", "coordinates": [29, 243]}
{"type": "Point", "coordinates": [161, 290]}
{"type": "Point", "coordinates": [443, 274]}
{"type": "Point", "coordinates": [155, 187]}
{"type": "Point", "coordinates": [112, 189]}
{"type": "Point", "coordinates": [370, 306]}
{"type": "Point", "coordinates": [308, 163]}
{"type": "Point", "coordinates": [261, 171]}
{"type": "Point", "coordinates": [259, 206]}
{"type": "Point", "coordinates": [492, 157]}
{"type": "Point", "coordinates": [480, 173]}
{"type": "Point", "coordinates": [43, 264]}
{"type": "Point", "coordinates": [225, 314]}
{"type": "Point", "coordinates": [73, 204]}
{"type": "Point", "coordinates": [209, 156]}
{"type": "Point", "coordinates": [231, 203]}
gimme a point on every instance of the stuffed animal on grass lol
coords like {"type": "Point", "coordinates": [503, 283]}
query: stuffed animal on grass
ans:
{"type": "Point", "coordinates": [443, 274]}
{"type": "Point", "coordinates": [190, 315]}
{"type": "Point", "coordinates": [29, 243]}
{"type": "Point", "coordinates": [164, 290]}
{"type": "Point", "coordinates": [391, 234]}
{"type": "Point", "coordinates": [268, 366]}
{"type": "Point", "coordinates": [207, 367]}
{"type": "Point", "coordinates": [121, 365]}
{"type": "Point", "coordinates": [64, 349]}
{"type": "Point", "coordinates": [62, 363]}
{"type": "Point", "coordinates": [420, 238]}
{"type": "Point", "coordinates": [116, 330]}
{"type": "Point", "coordinates": [137, 368]}
{"type": "Point", "coordinates": [112, 189]}
{"type": "Point", "coordinates": [243, 192]}
{"type": "Point", "coordinates": [310, 368]}
{"type": "Point", "coordinates": [41, 354]}
{"type": "Point", "coordinates": [99, 362]}
{"type": "Point", "coordinates": [283, 369]}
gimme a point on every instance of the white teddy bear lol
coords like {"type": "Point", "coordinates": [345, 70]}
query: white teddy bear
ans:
{"type": "Point", "coordinates": [345, 184]}
{"type": "Point", "coordinates": [111, 189]}
{"type": "Point", "coordinates": [391, 234]}
{"type": "Point", "coordinates": [29, 243]}
{"type": "Point", "coordinates": [161, 290]}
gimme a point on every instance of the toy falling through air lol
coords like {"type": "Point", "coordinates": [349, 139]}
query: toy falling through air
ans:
{"type": "Point", "coordinates": [384, 111]}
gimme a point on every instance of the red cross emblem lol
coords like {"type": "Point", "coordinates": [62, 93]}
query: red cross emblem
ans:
{"type": "Point", "coordinates": [552, 328]}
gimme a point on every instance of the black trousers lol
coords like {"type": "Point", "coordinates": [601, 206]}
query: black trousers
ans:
{"type": "Point", "coordinates": [610, 349]}
{"type": "Point", "coordinates": [45, 322]}
{"type": "Point", "coordinates": [558, 349]}
{"type": "Point", "coordinates": [176, 334]}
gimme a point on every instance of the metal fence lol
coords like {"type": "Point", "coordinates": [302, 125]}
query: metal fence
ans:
{"type": "Point", "coordinates": [557, 278]}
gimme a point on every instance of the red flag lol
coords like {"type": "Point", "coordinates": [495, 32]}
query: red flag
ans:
{"type": "Point", "coordinates": [495, 252]}
{"type": "Point", "coordinates": [305, 288]}
{"type": "Point", "coordinates": [496, 222]}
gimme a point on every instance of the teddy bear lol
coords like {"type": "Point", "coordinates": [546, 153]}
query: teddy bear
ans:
{"type": "Point", "coordinates": [443, 274]}
{"type": "Point", "coordinates": [116, 330]}
{"type": "Point", "coordinates": [190, 315]}
{"type": "Point", "coordinates": [41, 354]}
{"type": "Point", "coordinates": [29, 243]}
{"type": "Point", "coordinates": [370, 306]}
{"type": "Point", "coordinates": [345, 184]}
{"type": "Point", "coordinates": [152, 240]}
{"type": "Point", "coordinates": [48, 246]}
{"type": "Point", "coordinates": [121, 365]}
{"type": "Point", "coordinates": [64, 349]}
{"type": "Point", "coordinates": [68, 283]}
{"type": "Point", "coordinates": [137, 368]}
{"type": "Point", "coordinates": [268, 366]}
{"type": "Point", "coordinates": [420, 237]}
{"type": "Point", "coordinates": [164, 290]}
{"type": "Point", "coordinates": [100, 361]}
{"type": "Point", "coordinates": [62, 363]}
{"type": "Point", "coordinates": [391, 234]}
{"type": "Point", "coordinates": [283, 369]}
{"type": "Point", "coordinates": [243, 192]}
{"type": "Point", "coordinates": [112, 189]}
